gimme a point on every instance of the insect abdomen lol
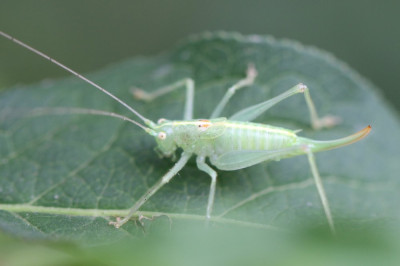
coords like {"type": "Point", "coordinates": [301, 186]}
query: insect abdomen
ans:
{"type": "Point", "coordinates": [253, 136]}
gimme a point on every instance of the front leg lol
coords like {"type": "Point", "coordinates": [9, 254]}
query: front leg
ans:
{"type": "Point", "coordinates": [205, 168]}
{"type": "Point", "coordinates": [184, 83]}
{"type": "Point", "coordinates": [151, 191]}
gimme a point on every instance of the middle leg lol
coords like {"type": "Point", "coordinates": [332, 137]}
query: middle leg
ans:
{"type": "Point", "coordinates": [205, 168]}
{"type": "Point", "coordinates": [251, 74]}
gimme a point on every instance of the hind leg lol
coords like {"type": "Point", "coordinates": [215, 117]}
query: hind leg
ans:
{"type": "Point", "coordinates": [320, 188]}
{"type": "Point", "coordinates": [252, 112]}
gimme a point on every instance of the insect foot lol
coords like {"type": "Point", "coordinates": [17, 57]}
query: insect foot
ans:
{"type": "Point", "coordinates": [327, 121]}
{"type": "Point", "coordinates": [116, 224]}
{"type": "Point", "coordinates": [316, 122]}
{"type": "Point", "coordinates": [141, 219]}
{"type": "Point", "coordinates": [140, 94]}
{"type": "Point", "coordinates": [251, 72]}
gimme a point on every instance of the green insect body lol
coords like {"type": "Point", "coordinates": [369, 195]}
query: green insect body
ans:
{"type": "Point", "coordinates": [230, 144]}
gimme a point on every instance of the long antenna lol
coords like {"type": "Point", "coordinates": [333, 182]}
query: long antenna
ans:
{"type": "Point", "coordinates": [69, 110]}
{"type": "Point", "coordinates": [145, 120]}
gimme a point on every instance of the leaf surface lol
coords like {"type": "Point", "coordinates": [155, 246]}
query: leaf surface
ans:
{"type": "Point", "coordinates": [66, 176]}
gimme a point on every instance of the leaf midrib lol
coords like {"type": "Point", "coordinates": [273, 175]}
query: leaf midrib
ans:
{"type": "Point", "coordinates": [26, 208]}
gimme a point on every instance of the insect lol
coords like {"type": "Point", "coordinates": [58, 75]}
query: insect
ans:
{"type": "Point", "coordinates": [230, 144]}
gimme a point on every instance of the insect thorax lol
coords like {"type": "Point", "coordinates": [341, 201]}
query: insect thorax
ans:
{"type": "Point", "coordinates": [194, 136]}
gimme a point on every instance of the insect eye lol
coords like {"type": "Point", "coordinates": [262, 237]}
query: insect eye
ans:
{"type": "Point", "coordinates": [162, 135]}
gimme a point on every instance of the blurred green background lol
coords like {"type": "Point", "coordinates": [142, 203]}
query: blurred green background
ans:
{"type": "Point", "coordinates": [87, 35]}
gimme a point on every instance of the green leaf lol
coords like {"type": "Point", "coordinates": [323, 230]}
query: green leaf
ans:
{"type": "Point", "coordinates": [65, 177]}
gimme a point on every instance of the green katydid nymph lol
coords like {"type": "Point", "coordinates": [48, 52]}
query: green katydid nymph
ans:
{"type": "Point", "coordinates": [229, 143]}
